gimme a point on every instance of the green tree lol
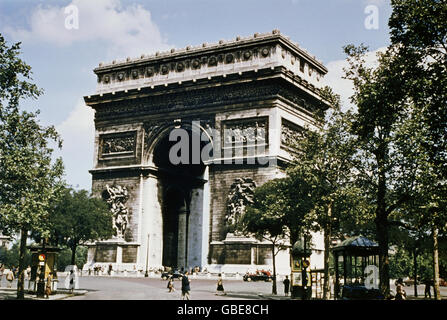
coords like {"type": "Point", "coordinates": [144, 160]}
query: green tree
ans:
{"type": "Point", "coordinates": [420, 31]}
{"type": "Point", "coordinates": [64, 257]}
{"type": "Point", "coordinates": [383, 171]}
{"type": "Point", "coordinates": [10, 257]}
{"type": "Point", "coordinates": [78, 218]}
{"type": "Point", "coordinates": [278, 212]}
{"type": "Point", "coordinates": [324, 160]}
{"type": "Point", "coordinates": [29, 179]}
{"type": "Point", "coordinates": [265, 218]}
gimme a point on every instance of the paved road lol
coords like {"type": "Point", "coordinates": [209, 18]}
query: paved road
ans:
{"type": "Point", "coordinates": [123, 288]}
{"type": "Point", "coordinates": [105, 288]}
{"type": "Point", "coordinates": [101, 288]}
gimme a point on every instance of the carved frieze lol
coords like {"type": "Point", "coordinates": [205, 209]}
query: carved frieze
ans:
{"type": "Point", "coordinates": [116, 197]}
{"type": "Point", "coordinates": [290, 133]}
{"type": "Point", "coordinates": [180, 101]}
{"type": "Point", "coordinates": [245, 132]}
{"type": "Point", "coordinates": [117, 144]}
{"type": "Point", "coordinates": [239, 197]}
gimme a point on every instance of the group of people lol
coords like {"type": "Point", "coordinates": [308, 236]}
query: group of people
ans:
{"type": "Point", "coordinates": [401, 294]}
{"type": "Point", "coordinates": [186, 286]}
{"type": "Point", "coordinates": [11, 274]}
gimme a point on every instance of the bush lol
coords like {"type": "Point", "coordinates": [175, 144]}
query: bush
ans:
{"type": "Point", "coordinates": [11, 257]}
{"type": "Point", "coordinates": [64, 257]}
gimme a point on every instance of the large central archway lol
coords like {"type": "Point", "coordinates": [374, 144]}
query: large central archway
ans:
{"type": "Point", "coordinates": [180, 192]}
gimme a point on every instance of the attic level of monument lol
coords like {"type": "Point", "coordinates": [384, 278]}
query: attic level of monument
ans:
{"type": "Point", "coordinates": [251, 97]}
{"type": "Point", "coordinates": [261, 57]}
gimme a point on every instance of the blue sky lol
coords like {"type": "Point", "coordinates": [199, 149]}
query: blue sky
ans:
{"type": "Point", "coordinates": [63, 60]}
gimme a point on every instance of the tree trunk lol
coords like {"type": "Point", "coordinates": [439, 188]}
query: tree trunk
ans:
{"type": "Point", "coordinates": [274, 290]}
{"type": "Point", "coordinates": [73, 253]}
{"type": "Point", "coordinates": [327, 252]}
{"type": "Point", "coordinates": [415, 271]}
{"type": "Point", "coordinates": [382, 224]}
{"type": "Point", "coordinates": [384, 274]}
{"type": "Point", "coordinates": [22, 267]}
{"type": "Point", "coordinates": [436, 264]}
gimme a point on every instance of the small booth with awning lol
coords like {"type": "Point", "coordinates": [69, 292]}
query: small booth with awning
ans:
{"type": "Point", "coordinates": [43, 263]}
{"type": "Point", "coordinates": [356, 264]}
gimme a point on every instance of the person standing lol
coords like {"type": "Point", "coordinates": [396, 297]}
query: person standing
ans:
{"type": "Point", "coordinates": [2, 269]}
{"type": "Point", "coordinates": [185, 286]}
{"type": "Point", "coordinates": [427, 292]}
{"type": "Point", "coordinates": [400, 292]}
{"type": "Point", "coordinates": [220, 287]}
{"type": "Point", "coordinates": [286, 283]}
{"type": "Point", "coordinates": [71, 281]}
{"type": "Point", "coordinates": [10, 277]}
{"type": "Point", "coordinates": [48, 285]}
{"type": "Point", "coordinates": [28, 272]}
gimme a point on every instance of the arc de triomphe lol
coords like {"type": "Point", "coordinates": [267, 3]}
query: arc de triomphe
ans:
{"type": "Point", "coordinates": [242, 101]}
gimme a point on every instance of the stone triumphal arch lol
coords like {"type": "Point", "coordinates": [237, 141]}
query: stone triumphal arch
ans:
{"type": "Point", "coordinates": [242, 101]}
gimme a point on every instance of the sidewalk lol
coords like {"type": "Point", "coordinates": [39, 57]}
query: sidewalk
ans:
{"type": "Point", "coordinates": [11, 294]}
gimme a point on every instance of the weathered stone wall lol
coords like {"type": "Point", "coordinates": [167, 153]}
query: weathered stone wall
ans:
{"type": "Point", "coordinates": [221, 179]}
{"type": "Point", "coordinates": [132, 184]}
{"type": "Point", "coordinates": [105, 253]}
{"type": "Point", "coordinates": [117, 145]}
{"type": "Point", "coordinates": [130, 254]}
{"type": "Point", "coordinates": [230, 254]}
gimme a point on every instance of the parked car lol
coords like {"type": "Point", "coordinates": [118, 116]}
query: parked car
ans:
{"type": "Point", "coordinates": [258, 276]}
{"type": "Point", "coordinates": [172, 274]}
{"type": "Point", "coordinates": [410, 282]}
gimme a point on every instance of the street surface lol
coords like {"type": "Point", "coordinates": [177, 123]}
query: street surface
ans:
{"type": "Point", "coordinates": [140, 288]}
{"type": "Point", "coordinates": [105, 288]}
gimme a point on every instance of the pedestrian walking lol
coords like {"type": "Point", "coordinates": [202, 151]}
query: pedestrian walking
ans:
{"type": "Point", "coordinates": [185, 286]}
{"type": "Point", "coordinates": [220, 288]}
{"type": "Point", "coordinates": [171, 284]}
{"type": "Point", "coordinates": [10, 277]}
{"type": "Point", "coordinates": [71, 281]}
{"type": "Point", "coordinates": [428, 283]}
{"type": "Point", "coordinates": [286, 283]}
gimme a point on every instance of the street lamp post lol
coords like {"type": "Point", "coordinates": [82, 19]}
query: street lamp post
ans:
{"type": "Point", "coordinates": [147, 256]}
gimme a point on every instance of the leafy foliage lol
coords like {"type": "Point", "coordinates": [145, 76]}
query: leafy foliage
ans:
{"type": "Point", "coordinates": [65, 255]}
{"type": "Point", "coordinates": [10, 257]}
{"type": "Point", "coordinates": [78, 218]}
{"type": "Point", "coordinates": [29, 180]}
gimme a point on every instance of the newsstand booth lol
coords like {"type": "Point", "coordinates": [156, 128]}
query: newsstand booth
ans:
{"type": "Point", "coordinates": [356, 269]}
{"type": "Point", "coordinates": [43, 263]}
